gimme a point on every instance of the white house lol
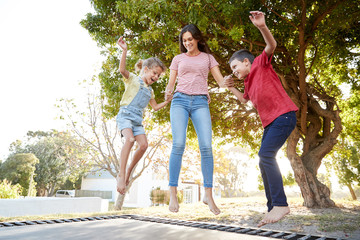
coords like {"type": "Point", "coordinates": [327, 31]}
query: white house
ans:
{"type": "Point", "coordinates": [139, 194]}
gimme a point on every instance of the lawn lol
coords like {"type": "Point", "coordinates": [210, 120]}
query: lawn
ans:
{"type": "Point", "coordinates": [247, 212]}
{"type": "Point", "coordinates": [342, 221]}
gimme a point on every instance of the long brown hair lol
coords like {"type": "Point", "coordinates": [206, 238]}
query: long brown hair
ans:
{"type": "Point", "coordinates": [196, 33]}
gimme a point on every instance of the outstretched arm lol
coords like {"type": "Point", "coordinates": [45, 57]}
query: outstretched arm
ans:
{"type": "Point", "coordinates": [157, 106]}
{"type": "Point", "coordinates": [238, 94]}
{"type": "Point", "coordinates": [215, 71]}
{"type": "Point", "coordinates": [122, 65]}
{"type": "Point", "coordinates": [258, 19]}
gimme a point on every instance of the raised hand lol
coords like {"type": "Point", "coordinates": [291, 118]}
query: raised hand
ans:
{"type": "Point", "coordinates": [122, 43]}
{"type": "Point", "coordinates": [258, 18]}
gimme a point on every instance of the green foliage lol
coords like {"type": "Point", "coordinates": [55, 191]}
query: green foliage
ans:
{"type": "Point", "coordinates": [350, 114]}
{"type": "Point", "coordinates": [71, 184]}
{"type": "Point", "coordinates": [317, 51]}
{"type": "Point", "coordinates": [345, 161]}
{"type": "Point", "coordinates": [9, 191]}
{"type": "Point", "coordinates": [289, 179]}
{"type": "Point", "coordinates": [345, 157]}
{"type": "Point", "coordinates": [61, 157]}
{"type": "Point", "coordinates": [180, 197]}
{"type": "Point", "coordinates": [19, 169]}
{"type": "Point", "coordinates": [158, 197]}
{"type": "Point", "coordinates": [260, 183]}
{"type": "Point", "coordinates": [151, 28]}
{"type": "Point", "coordinates": [325, 179]}
{"type": "Point", "coordinates": [230, 170]}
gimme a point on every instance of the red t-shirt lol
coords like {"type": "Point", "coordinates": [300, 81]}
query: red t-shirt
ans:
{"type": "Point", "coordinates": [264, 89]}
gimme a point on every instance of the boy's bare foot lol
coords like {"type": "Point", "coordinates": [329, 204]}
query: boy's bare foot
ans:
{"type": "Point", "coordinates": [173, 204]}
{"type": "Point", "coordinates": [208, 200]}
{"type": "Point", "coordinates": [274, 215]}
{"type": "Point", "coordinates": [121, 184]}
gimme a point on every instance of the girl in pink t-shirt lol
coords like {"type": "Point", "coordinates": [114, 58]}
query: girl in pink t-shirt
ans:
{"type": "Point", "coordinates": [191, 100]}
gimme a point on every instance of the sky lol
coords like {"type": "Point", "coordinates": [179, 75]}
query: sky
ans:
{"type": "Point", "coordinates": [44, 54]}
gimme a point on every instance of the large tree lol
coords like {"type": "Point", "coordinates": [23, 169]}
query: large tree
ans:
{"type": "Point", "coordinates": [230, 170]}
{"type": "Point", "coordinates": [19, 168]}
{"type": "Point", "coordinates": [345, 157]}
{"type": "Point", "coordinates": [317, 41]}
{"type": "Point", "coordinates": [61, 157]}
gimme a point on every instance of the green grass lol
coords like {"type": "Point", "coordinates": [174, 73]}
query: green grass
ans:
{"type": "Point", "coordinates": [347, 222]}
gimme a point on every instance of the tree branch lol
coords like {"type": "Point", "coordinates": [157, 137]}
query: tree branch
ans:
{"type": "Point", "coordinates": [283, 18]}
{"type": "Point", "coordinates": [324, 14]}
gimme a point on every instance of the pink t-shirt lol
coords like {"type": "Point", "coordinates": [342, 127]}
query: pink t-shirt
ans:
{"type": "Point", "coordinates": [193, 72]}
{"type": "Point", "coordinates": [263, 87]}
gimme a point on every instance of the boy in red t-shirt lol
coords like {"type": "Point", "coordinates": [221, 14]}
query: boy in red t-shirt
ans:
{"type": "Point", "coordinates": [276, 110]}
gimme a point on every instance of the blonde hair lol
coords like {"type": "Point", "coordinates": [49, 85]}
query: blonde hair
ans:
{"type": "Point", "coordinates": [150, 63]}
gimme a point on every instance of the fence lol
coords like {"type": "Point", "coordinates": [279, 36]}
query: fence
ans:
{"type": "Point", "coordinates": [91, 193]}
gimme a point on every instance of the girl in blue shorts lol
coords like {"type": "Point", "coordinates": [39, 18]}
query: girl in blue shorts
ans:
{"type": "Point", "coordinates": [138, 94]}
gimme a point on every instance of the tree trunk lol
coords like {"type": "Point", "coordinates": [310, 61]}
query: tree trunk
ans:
{"type": "Point", "coordinates": [121, 198]}
{"type": "Point", "coordinates": [52, 190]}
{"type": "Point", "coordinates": [352, 192]}
{"type": "Point", "coordinates": [119, 202]}
{"type": "Point", "coordinates": [40, 192]}
{"type": "Point", "coordinates": [314, 193]}
{"type": "Point", "coordinates": [30, 184]}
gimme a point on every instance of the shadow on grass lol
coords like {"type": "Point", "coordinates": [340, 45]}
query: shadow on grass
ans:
{"type": "Point", "coordinates": [329, 219]}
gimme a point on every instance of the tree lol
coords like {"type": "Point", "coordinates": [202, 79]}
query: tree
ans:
{"type": "Point", "coordinates": [9, 191]}
{"type": "Point", "coordinates": [20, 169]}
{"type": "Point", "coordinates": [316, 43]}
{"type": "Point", "coordinates": [191, 161]}
{"type": "Point", "coordinates": [103, 138]}
{"type": "Point", "coordinates": [61, 157]}
{"type": "Point", "coordinates": [230, 170]}
{"type": "Point", "coordinates": [288, 180]}
{"type": "Point", "coordinates": [345, 158]}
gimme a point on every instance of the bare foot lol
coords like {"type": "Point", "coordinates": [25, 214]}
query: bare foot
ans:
{"type": "Point", "coordinates": [173, 204]}
{"type": "Point", "coordinates": [208, 200]}
{"type": "Point", "coordinates": [121, 184]}
{"type": "Point", "coordinates": [274, 215]}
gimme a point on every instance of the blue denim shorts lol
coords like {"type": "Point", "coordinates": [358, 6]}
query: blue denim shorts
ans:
{"type": "Point", "coordinates": [129, 119]}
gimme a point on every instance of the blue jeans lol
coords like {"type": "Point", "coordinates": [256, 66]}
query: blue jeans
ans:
{"type": "Point", "coordinates": [196, 107]}
{"type": "Point", "coordinates": [275, 135]}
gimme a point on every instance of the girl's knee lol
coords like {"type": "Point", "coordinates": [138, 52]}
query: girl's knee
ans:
{"type": "Point", "coordinates": [130, 140]}
{"type": "Point", "coordinates": [143, 146]}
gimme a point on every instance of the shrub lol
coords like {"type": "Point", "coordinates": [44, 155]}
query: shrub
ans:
{"type": "Point", "coordinates": [9, 191]}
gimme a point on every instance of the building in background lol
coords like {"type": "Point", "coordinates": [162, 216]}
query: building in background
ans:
{"type": "Point", "coordinates": [103, 184]}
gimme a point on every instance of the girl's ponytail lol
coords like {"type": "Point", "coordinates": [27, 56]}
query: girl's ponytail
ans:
{"type": "Point", "coordinates": [139, 65]}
